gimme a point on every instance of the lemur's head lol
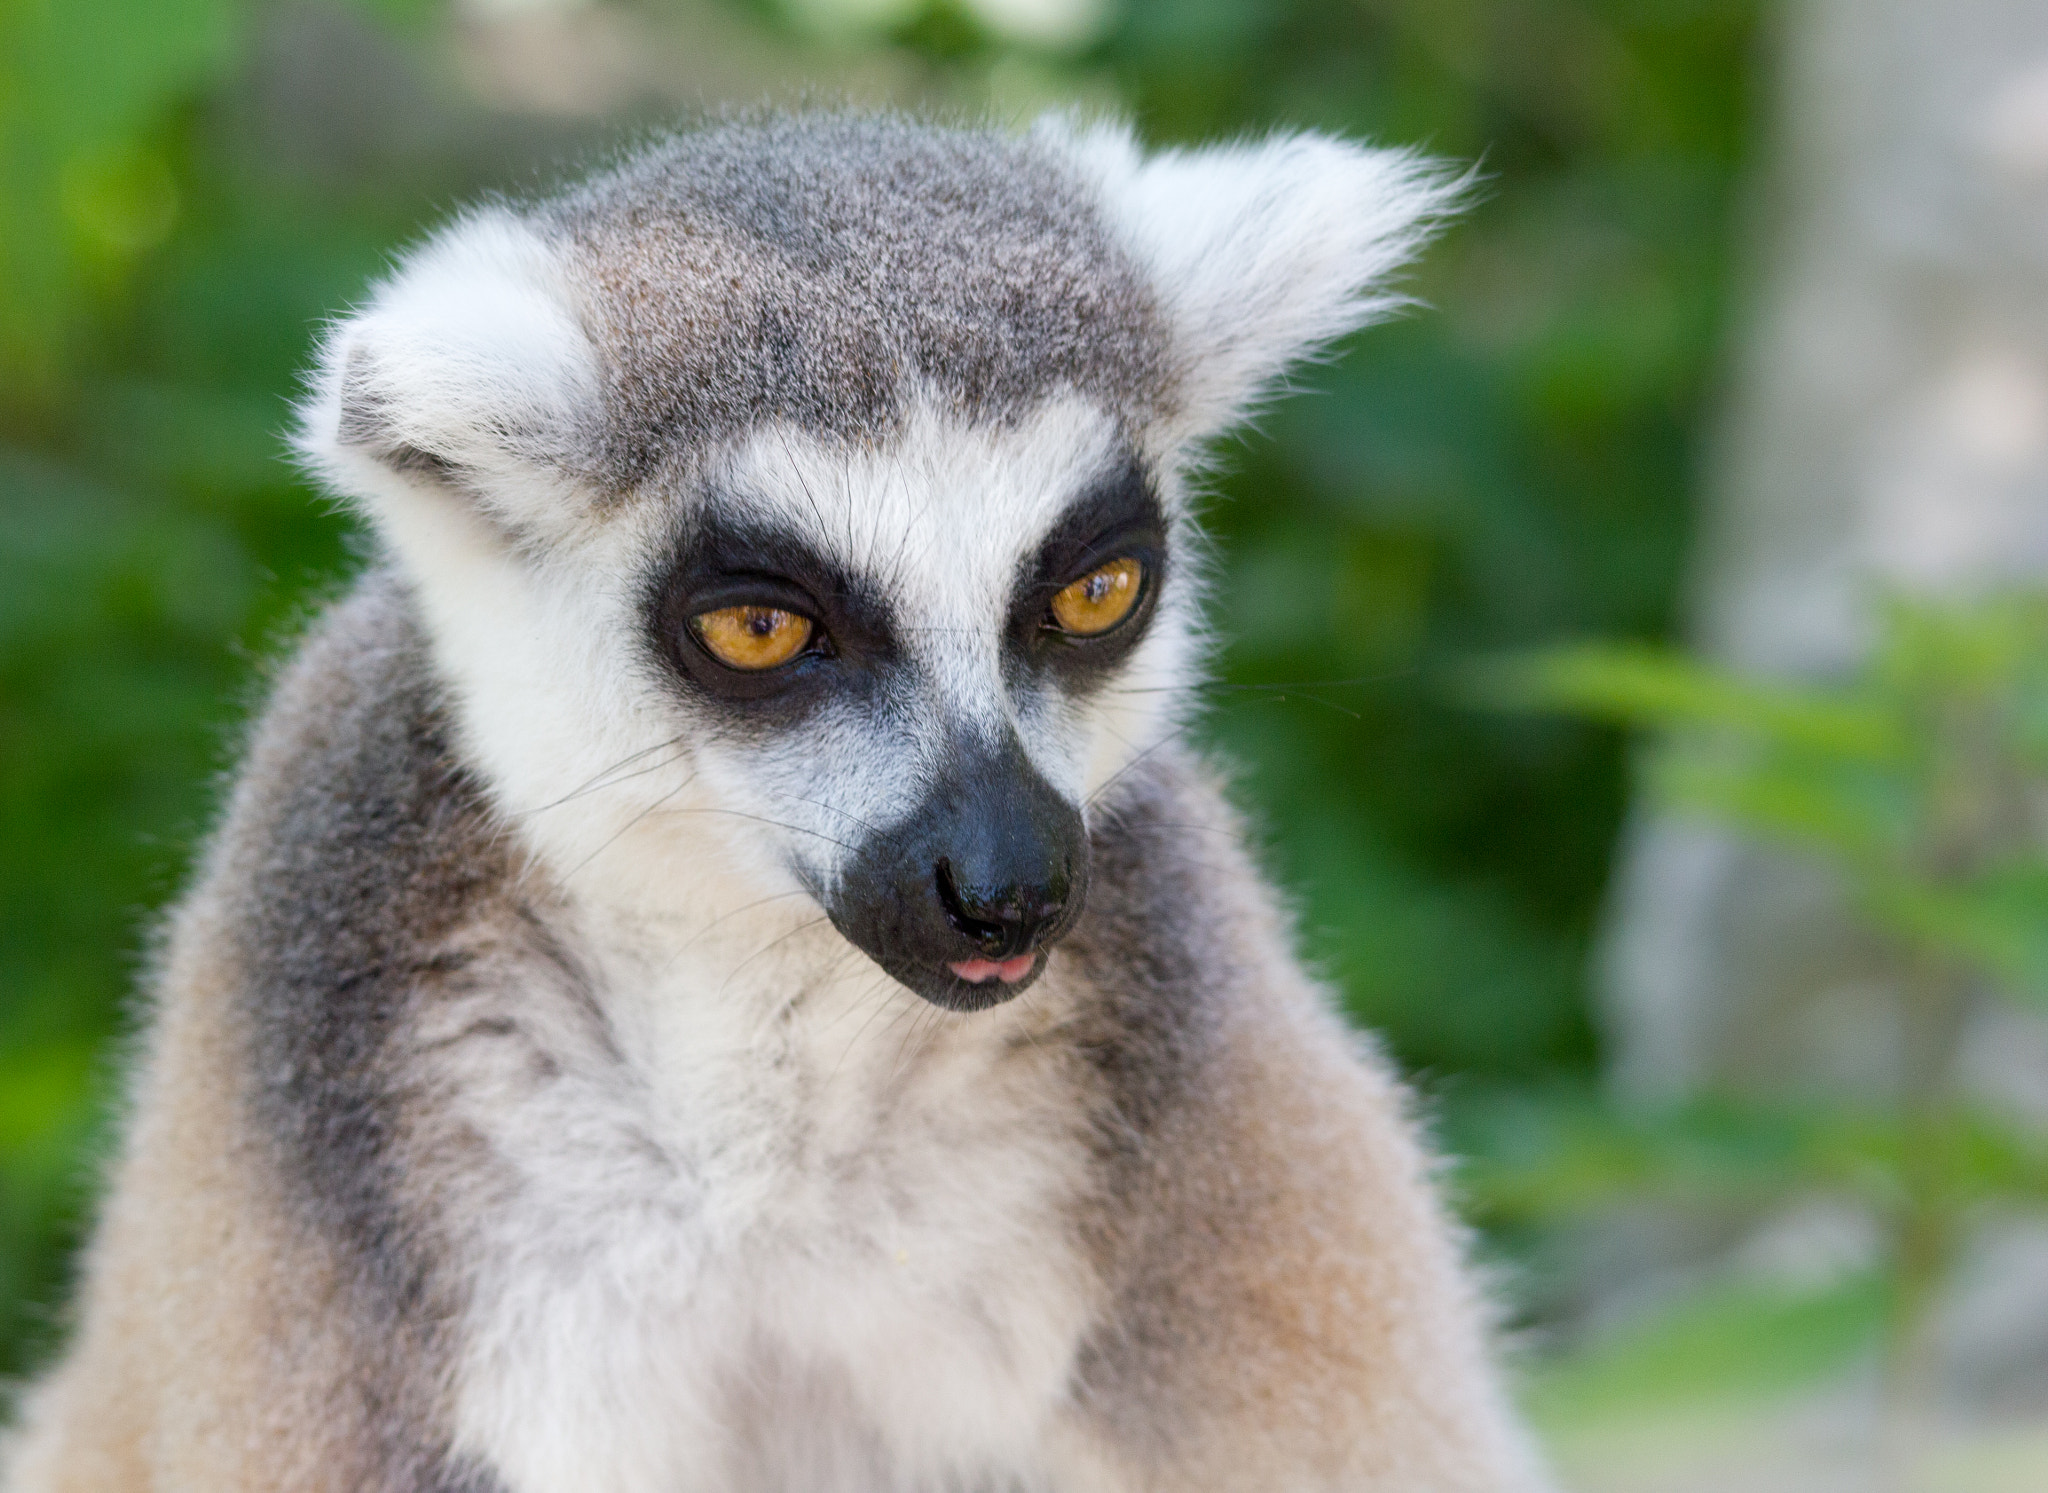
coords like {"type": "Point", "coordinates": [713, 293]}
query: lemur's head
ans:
{"type": "Point", "coordinates": [808, 496]}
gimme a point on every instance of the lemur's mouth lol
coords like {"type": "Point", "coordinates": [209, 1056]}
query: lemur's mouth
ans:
{"type": "Point", "coordinates": [1009, 971]}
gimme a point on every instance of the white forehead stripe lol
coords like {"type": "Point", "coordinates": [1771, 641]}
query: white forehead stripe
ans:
{"type": "Point", "coordinates": [941, 518]}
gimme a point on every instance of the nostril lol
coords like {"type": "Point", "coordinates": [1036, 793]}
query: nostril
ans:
{"type": "Point", "coordinates": [1001, 920]}
{"type": "Point", "coordinates": [963, 915]}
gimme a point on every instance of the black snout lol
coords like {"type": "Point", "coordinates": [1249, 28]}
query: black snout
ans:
{"type": "Point", "coordinates": [959, 898]}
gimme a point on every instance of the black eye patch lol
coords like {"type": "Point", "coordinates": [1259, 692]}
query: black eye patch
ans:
{"type": "Point", "coordinates": [1117, 517]}
{"type": "Point", "coordinates": [725, 560]}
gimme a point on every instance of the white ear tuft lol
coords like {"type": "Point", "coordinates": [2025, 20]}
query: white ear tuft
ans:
{"type": "Point", "coordinates": [1261, 253]}
{"type": "Point", "coordinates": [468, 369]}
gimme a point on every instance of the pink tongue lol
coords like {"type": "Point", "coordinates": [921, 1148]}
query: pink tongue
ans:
{"type": "Point", "coordinates": [1009, 971]}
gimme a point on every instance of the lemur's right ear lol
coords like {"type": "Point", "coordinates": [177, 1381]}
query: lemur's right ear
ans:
{"type": "Point", "coordinates": [1260, 253]}
{"type": "Point", "coordinates": [468, 371]}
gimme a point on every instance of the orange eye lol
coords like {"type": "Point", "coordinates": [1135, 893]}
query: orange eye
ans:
{"type": "Point", "coordinates": [1100, 599]}
{"type": "Point", "coordinates": [752, 638]}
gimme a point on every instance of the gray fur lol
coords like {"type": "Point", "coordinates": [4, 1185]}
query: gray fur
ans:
{"type": "Point", "coordinates": [1164, 952]}
{"type": "Point", "coordinates": [351, 880]}
{"type": "Point", "coordinates": [823, 269]}
{"type": "Point", "coordinates": [366, 422]}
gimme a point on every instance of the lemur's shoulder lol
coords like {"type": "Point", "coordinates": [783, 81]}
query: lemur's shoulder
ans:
{"type": "Point", "coordinates": [260, 1307]}
{"type": "Point", "coordinates": [357, 844]}
{"type": "Point", "coordinates": [356, 826]}
{"type": "Point", "coordinates": [1265, 1224]}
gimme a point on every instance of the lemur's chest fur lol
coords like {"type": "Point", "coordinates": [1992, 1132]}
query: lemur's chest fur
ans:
{"type": "Point", "coordinates": [762, 1220]}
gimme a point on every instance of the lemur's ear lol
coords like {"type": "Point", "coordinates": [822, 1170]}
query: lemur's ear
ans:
{"type": "Point", "coordinates": [1261, 253]}
{"type": "Point", "coordinates": [468, 372]}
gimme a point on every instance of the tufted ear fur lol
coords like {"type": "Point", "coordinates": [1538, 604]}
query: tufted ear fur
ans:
{"type": "Point", "coordinates": [467, 377]}
{"type": "Point", "coordinates": [1261, 253]}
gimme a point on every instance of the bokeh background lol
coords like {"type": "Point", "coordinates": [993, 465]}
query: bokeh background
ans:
{"type": "Point", "coordinates": [1742, 336]}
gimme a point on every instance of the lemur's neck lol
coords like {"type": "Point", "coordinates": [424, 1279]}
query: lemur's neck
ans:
{"type": "Point", "coordinates": [747, 1014]}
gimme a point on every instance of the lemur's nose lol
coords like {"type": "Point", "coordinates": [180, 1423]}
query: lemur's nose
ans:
{"type": "Point", "coordinates": [962, 896]}
{"type": "Point", "coordinates": [1004, 918]}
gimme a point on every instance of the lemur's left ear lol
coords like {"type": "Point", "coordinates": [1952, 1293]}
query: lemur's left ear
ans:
{"type": "Point", "coordinates": [467, 379]}
{"type": "Point", "coordinates": [1260, 253]}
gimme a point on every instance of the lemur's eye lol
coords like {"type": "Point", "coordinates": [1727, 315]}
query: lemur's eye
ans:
{"type": "Point", "coordinates": [1100, 599]}
{"type": "Point", "coordinates": [752, 638]}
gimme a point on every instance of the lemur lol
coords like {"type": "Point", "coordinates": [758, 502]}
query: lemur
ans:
{"type": "Point", "coordinates": [719, 973]}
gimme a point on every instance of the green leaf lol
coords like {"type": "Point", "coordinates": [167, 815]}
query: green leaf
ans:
{"type": "Point", "coordinates": [1634, 684]}
{"type": "Point", "coordinates": [1546, 1160]}
{"type": "Point", "coordinates": [1862, 817]}
{"type": "Point", "coordinates": [1736, 1342]}
{"type": "Point", "coordinates": [1996, 923]}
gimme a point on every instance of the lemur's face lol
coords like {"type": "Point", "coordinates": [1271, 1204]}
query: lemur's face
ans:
{"type": "Point", "coordinates": [796, 511]}
{"type": "Point", "coordinates": [912, 665]}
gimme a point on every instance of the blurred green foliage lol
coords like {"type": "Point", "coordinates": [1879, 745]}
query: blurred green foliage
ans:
{"type": "Point", "coordinates": [1921, 782]}
{"type": "Point", "coordinates": [1922, 779]}
{"type": "Point", "coordinates": [1730, 1346]}
{"type": "Point", "coordinates": [187, 186]}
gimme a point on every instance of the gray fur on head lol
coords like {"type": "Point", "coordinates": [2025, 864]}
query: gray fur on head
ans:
{"type": "Point", "coordinates": [819, 271]}
{"type": "Point", "coordinates": [823, 270]}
